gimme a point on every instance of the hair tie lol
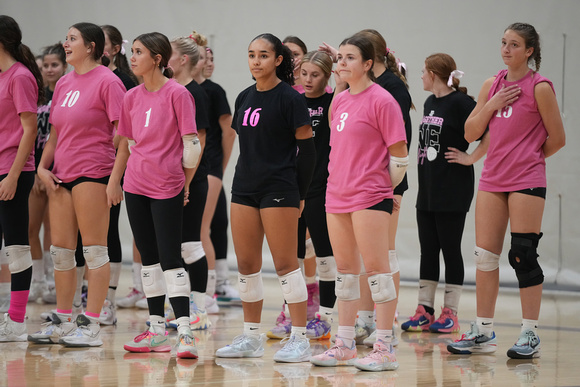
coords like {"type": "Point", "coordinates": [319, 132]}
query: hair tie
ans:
{"type": "Point", "coordinates": [123, 47]}
{"type": "Point", "coordinates": [193, 38]}
{"type": "Point", "coordinates": [208, 49]}
{"type": "Point", "coordinates": [454, 74]}
{"type": "Point", "coordinates": [401, 66]}
{"type": "Point", "coordinates": [389, 51]}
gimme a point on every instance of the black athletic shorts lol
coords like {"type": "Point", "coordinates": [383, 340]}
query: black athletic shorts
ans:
{"type": "Point", "coordinates": [267, 200]}
{"type": "Point", "coordinates": [70, 185]}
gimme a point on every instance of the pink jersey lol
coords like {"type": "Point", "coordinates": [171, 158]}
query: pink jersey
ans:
{"type": "Point", "coordinates": [83, 110]}
{"type": "Point", "coordinates": [157, 121]}
{"type": "Point", "coordinates": [300, 89]}
{"type": "Point", "coordinates": [363, 126]}
{"type": "Point", "coordinates": [515, 159]}
{"type": "Point", "coordinates": [18, 94]}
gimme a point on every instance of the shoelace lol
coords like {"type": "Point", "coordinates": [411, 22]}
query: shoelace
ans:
{"type": "Point", "coordinates": [238, 340]}
{"type": "Point", "coordinates": [442, 318]}
{"type": "Point", "coordinates": [145, 335]}
{"type": "Point", "coordinates": [378, 353]}
{"type": "Point", "coordinates": [314, 322]}
{"type": "Point", "coordinates": [335, 348]}
{"type": "Point", "coordinates": [290, 343]}
{"type": "Point", "coordinates": [528, 338]}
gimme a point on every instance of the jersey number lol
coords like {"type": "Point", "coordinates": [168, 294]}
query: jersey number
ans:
{"type": "Point", "coordinates": [71, 98]}
{"type": "Point", "coordinates": [254, 117]}
{"type": "Point", "coordinates": [148, 114]}
{"type": "Point", "coordinates": [343, 118]}
{"type": "Point", "coordinates": [507, 112]}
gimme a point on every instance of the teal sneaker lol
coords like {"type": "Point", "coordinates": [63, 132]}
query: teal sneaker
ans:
{"type": "Point", "coordinates": [473, 342]}
{"type": "Point", "coordinates": [527, 346]}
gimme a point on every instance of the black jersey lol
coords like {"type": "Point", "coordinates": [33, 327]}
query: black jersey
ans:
{"type": "Point", "coordinates": [394, 85]}
{"type": "Point", "coordinates": [266, 123]}
{"type": "Point", "coordinates": [319, 110]}
{"type": "Point", "coordinates": [444, 186]}
{"type": "Point", "coordinates": [125, 78]}
{"type": "Point", "coordinates": [202, 122]}
{"type": "Point", "coordinates": [218, 106]}
{"type": "Point", "coordinates": [43, 126]}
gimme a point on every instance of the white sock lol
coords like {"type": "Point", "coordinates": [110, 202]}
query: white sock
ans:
{"type": "Point", "coordinates": [38, 270]}
{"type": "Point", "coordinates": [485, 326]}
{"type": "Point", "coordinates": [451, 297]}
{"type": "Point", "coordinates": [221, 271]}
{"type": "Point", "coordinates": [183, 325]}
{"type": "Point", "coordinates": [252, 329]}
{"type": "Point", "coordinates": [4, 288]}
{"type": "Point", "coordinates": [530, 325]}
{"type": "Point", "coordinates": [199, 299]}
{"type": "Point", "coordinates": [113, 281]}
{"type": "Point", "coordinates": [367, 316]}
{"type": "Point", "coordinates": [157, 324]}
{"type": "Point", "coordinates": [325, 313]}
{"type": "Point", "coordinates": [427, 290]}
{"type": "Point", "coordinates": [211, 282]}
{"type": "Point", "coordinates": [347, 335]}
{"type": "Point", "coordinates": [137, 284]}
{"type": "Point", "coordinates": [298, 331]}
{"type": "Point", "coordinates": [79, 289]}
{"type": "Point", "coordinates": [385, 335]}
{"type": "Point", "coordinates": [310, 280]}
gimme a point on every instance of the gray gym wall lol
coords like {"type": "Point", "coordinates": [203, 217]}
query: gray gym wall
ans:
{"type": "Point", "coordinates": [470, 31]}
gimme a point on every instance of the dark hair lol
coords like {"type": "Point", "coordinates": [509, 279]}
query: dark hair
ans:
{"type": "Point", "coordinates": [56, 49]}
{"type": "Point", "coordinates": [11, 39]}
{"type": "Point", "coordinates": [531, 38]}
{"type": "Point", "coordinates": [92, 33]}
{"type": "Point", "coordinates": [158, 44]}
{"type": "Point", "coordinates": [366, 49]}
{"type": "Point", "coordinates": [120, 58]}
{"type": "Point", "coordinates": [284, 71]}
{"type": "Point", "coordinates": [442, 65]}
{"type": "Point", "coordinates": [297, 41]}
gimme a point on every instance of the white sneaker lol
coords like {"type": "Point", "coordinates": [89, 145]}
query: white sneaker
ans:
{"type": "Point", "coordinates": [186, 346]}
{"type": "Point", "coordinates": [12, 330]}
{"type": "Point", "coordinates": [130, 299]}
{"type": "Point", "coordinates": [52, 331]}
{"type": "Point", "coordinates": [108, 314]}
{"type": "Point", "coordinates": [243, 346]}
{"type": "Point", "coordinates": [49, 295]}
{"type": "Point", "coordinates": [142, 303]}
{"type": "Point", "coordinates": [86, 334]}
{"type": "Point", "coordinates": [370, 341]}
{"type": "Point", "coordinates": [37, 288]}
{"type": "Point", "coordinates": [295, 350]}
{"type": "Point", "coordinates": [211, 305]}
{"type": "Point", "coordinates": [225, 292]}
{"type": "Point", "coordinates": [199, 320]}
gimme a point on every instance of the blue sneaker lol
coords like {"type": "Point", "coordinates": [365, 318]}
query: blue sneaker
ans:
{"type": "Point", "coordinates": [473, 342]}
{"type": "Point", "coordinates": [527, 346]}
{"type": "Point", "coordinates": [318, 328]}
{"type": "Point", "coordinates": [419, 322]}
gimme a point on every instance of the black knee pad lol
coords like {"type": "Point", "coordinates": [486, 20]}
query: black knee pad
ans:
{"type": "Point", "coordinates": [524, 259]}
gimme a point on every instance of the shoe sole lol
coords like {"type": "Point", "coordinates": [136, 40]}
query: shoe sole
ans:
{"type": "Point", "coordinates": [335, 363]}
{"type": "Point", "coordinates": [78, 345]}
{"type": "Point", "coordinates": [186, 355]}
{"type": "Point", "coordinates": [491, 348]}
{"type": "Point", "coordinates": [516, 355]}
{"type": "Point", "coordinates": [38, 340]}
{"type": "Point", "coordinates": [161, 348]}
{"type": "Point", "coordinates": [22, 337]}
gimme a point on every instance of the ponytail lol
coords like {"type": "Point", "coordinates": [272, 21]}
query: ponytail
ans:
{"type": "Point", "coordinates": [285, 70]}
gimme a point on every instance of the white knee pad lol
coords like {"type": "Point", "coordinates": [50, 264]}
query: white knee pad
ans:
{"type": "Point", "coordinates": [382, 287]}
{"type": "Point", "coordinates": [63, 259]}
{"type": "Point", "coordinates": [19, 258]}
{"type": "Point", "coordinates": [393, 261]}
{"type": "Point", "coordinates": [326, 268]}
{"type": "Point", "coordinates": [293, 287]}
{"type": "Point", "coordinates": [96, 256]}
{"type": "Point", "coordinates": [177, 283]}
{"type": "Point", "coordinates": [251, 287]}
{"type": "Point", "coordinates": [347, 287]}
{"type": "Point", "coordinates": [309, 252]}
{"type": "Point", "coordinates": [153, 281]}
{"type": "Point", "coordinates": [485, 260]}
{"type": "Point", "coordinates": [192, 252]}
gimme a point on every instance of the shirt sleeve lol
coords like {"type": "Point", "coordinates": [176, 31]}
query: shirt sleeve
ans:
{"type": "Point", "coordinates": [24, 94]}
{"type": "Point", "coordinates": [125, 128]}
{"type": "Point", "coordinates": [113, 98]}
{"type": "Point", "coordinates": [185, 110]}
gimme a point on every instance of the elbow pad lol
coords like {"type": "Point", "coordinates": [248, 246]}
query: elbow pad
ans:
{"type": "Point", "coordinates": [397, 169]}
{"type": "Point", "coordinates": [130, 144]}
{"type": "Point", "coordinates": [191, 151]}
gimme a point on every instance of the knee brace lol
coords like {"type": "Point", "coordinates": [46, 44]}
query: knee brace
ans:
{"type": "Point", "coordinates": [251, 287]}
{"type": "Point", "coordinates": [153, 281]}
{"type": "Point", "coordinates": [485, 260]}
{"type": "Point", "coordinates": [177, 282]}
{"type": "Point", "coordinates": [326, 268]}
{"type": "Point", "coordinates": [347, 287]}
{"type": "Point", "coordinates": [309, 252]}
{"type": "Point", "coordinates": [63, 259]}
{"type": "Point", "coordinates": [96, 256]}
{"type": "Point", "coordinates": [19, 258]}
{"type": "Point", "coordinates": [192, 252]}
{"type": "Point", "coordinates": [382, 287]}
{"type": "Point", "coordinates": [524, 259]}
{"type": "Point", "coordinates": [293, 287]}
{"type": "Point", "coordinates": [393, 261]}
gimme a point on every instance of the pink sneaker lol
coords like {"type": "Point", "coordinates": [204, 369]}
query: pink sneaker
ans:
{"type": "Point", "coordinates": [337, 355]}
{"type": "Point", "coordinates": [419, 322]}
{"type": "Point", "coordinates": [283, 326]}
{"type": "Point", "coordinates": [446, 323]}
{"type": "Point", "coordinates": [313, 303]}
{"type": "Point", "coordinates": [381, 358]}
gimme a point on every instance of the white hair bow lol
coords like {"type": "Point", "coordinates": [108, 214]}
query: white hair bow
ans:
{"type": "Point", "coordinates": [454, 74]}
{"type": "Point", "coordinates": [123, 47]}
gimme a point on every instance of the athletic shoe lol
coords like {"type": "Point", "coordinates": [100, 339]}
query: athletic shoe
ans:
{"type": "Point", "coordinates": [108, 314]}
{"type": "Point", "coordinates": [49, 295]}
{"type": "Point", "coordinates": [370, 341]}
{"type": "Point", "coordinates": [381, 358]}
{"type": "Point", "coordinates": [199, 320]}
{"type": "Point", "coordinates": [149, 341]}
{"type": "Point", "coordinates": [211, 305]}
{"type": "Point", "coordinates": [36, 290]}
{"type": "Point", "coordinates": [47, 316]}
{"type": "Point", "coordinates": [446, 323]}
{"type": "Point", "coordinates": [11, 330]}
{"type": "Point", "coordinates": [130, 299]}
{"type": "Point", "coordinates": [186, 346]}
{"type": "Point", "coordinates": [283, 326]}
{"type": "Point", "coordinates": [296, 349]}
{"type": "Point", "coordinates": [419, 322]}
{"type": "Point", "coordinates": [527, 346]}
{"type": "Point", "coordinates": [225, 292]}
{"type": "Point", "coordinates": [86, 334]}
{"type": "Point", "coordinates": [313, 302]}
{"type": "Point", "coordinates": [142, 303]}
{"type": "Point", "coordinates": [318, 329]}
{"type": "Point", "coordinates": [473, 342]}
{"type": "Point", "coordinates": [243, 346]}
{"type": "Point", "coordinates": [52, 331]}
{"type": "Point", "coordinates": [337, 355]}
{"type": "Point", "coordinates": [363, 331]}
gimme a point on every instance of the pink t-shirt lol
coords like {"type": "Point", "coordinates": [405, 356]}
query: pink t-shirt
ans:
{"type": "Point", "coordinates": [363, 126]}
{"type": "Point", "coordinates": [515, 159]}
{"type": "Point", "coordinates": [82, 114]}
{"type": "Point", "coordinates": [18, 94]}
{"type": "Point", "coordinates": [157, 121]}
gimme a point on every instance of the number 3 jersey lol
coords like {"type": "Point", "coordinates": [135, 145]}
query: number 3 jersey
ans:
{"type": "Point", "coordinates": [266, 123]}
{"type": "Point", "coordinates": [83, 109]}
{"type": "Point", "coordinates": [515, 159]}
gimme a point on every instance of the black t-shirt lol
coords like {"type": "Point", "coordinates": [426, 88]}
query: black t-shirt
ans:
{"type": "Point", "coordinates": [202, 122]}
{"type": "Point", "coordinates": [218, 106]}
{"type": "Point", "coordinates": [444, 186]}
{"type": "Point", "coordinates": [266, 124]}
{"type": "Point", "coordinates": [394, 85]}
{"type": "Point", "coordinates": [43, 126]}
{"type": "Point", "coordinates": [125, 78]}
{"type": "Point", "coordinates": [319, 110]}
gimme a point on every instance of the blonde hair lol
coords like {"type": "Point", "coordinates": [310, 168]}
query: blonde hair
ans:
{"type": "Point", "coordinates": [320, 59]}
{"type": "Point", "coordinates": [198, 38]}
{"type": "Point", "coordinates": [187, 46]}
